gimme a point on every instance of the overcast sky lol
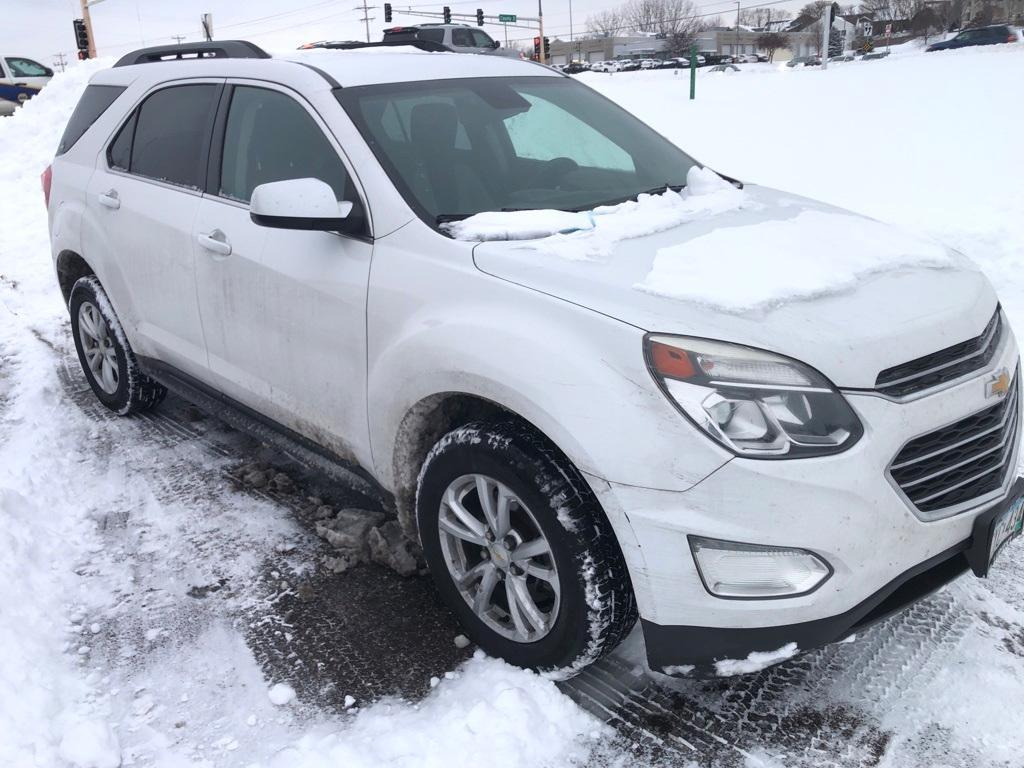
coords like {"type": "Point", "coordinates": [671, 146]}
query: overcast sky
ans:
{"type": "Point", "coordinates": [42, 28]}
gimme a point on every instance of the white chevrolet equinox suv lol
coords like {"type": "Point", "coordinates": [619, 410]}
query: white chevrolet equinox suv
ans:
{"type": "Point", "coordinates": [599, 381]}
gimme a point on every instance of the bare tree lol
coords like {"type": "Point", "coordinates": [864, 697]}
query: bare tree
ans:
{"type": "Point", "coordinates": [770, 42]}
{"type": "Point", "coordinates": [606, 23]}
{"type": "Point", "coordinates": [758, 18]}
{"type": "Point", "coordinates": [663, 17]}
{"type": "Point", "coordinates": [876, 9]}
{"type": "Point", "coordinates": [925, 21]}
{"type": "Point", "coordinates": [905, 9]}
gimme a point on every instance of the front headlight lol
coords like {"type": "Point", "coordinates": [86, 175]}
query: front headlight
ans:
{"type": "Point", "coordinates": [755, 403]}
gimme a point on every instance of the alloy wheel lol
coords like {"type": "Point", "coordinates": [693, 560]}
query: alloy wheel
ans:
{"type": "Point", "coordinates": [499, 558]}
{"type": "Point", "coordinates": [98, 347]}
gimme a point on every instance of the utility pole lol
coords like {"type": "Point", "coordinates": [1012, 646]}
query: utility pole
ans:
{"type": "Point", "coordinates": [177, 38]}
{"type": "Point", "coordinates": [365, 8]}
{"type": "Point", "coordinates": [737, 48]}
{"type": "Point", "coordinates": [87, 20]}
{"type": "Point", "coordinates": [206, 21]}
{"type": "Point", "coordinates": [59, 61]}
{"type": "Point", "coordinates": [826, 29]}
{"type": "Point", "coordinates": [540, 21]}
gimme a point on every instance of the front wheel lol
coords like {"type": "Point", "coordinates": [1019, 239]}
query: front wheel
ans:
{"type": "Point", "coordinates": [107, 359]}
{"type": "Point", "coordinates": [521, 550]}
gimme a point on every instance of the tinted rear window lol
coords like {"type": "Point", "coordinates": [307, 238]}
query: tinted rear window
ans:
{"type": "Point", "coordinates": [404, 36]}
{"type": "Point", "coordinates": [94, 102]}
{"type": "Point", "coordinates": [171, 134]}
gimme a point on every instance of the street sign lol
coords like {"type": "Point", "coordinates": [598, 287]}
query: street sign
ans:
{"type": "Point", "coordinates": [507, 18]}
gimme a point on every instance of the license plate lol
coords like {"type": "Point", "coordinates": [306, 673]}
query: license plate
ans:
{"type": "Point", "coordinates": [1006, 528]}
{"type": "Point", "coordinates": [995, 528]}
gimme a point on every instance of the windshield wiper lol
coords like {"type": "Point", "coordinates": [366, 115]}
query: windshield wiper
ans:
{"type": "Point", "coordinates": [659, 190]}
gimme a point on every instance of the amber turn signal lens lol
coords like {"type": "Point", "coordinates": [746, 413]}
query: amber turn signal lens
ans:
{"type": "Point", "coordinates": [670, 361]}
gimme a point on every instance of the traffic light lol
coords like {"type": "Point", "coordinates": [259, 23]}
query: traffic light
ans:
{"type": "Point", "coordinates": [447, 15]}
{"type": "Point", "coordinates": [387, 12]}
{"type": "Point", "coordinates": [479, 17]}
{"type": "Point", "coordinates": [546, 51]}
{"type": "Point", "coordinates": [81, 38]}
{"type": "Point", "coordinates": [536, 48]}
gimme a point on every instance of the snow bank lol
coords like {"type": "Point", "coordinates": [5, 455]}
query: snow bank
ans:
{"type": "Point", "coordinates": [489, 714]}
{"type": "Point", "coordinates": [755, 662]}
{"type": "Point", "coordinates": [815, 253]}
{"type": "Point", "coordinates": [594, 233]}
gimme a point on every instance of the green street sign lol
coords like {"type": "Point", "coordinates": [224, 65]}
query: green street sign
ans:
{"type": "Point", "coordinates": [507, 18]}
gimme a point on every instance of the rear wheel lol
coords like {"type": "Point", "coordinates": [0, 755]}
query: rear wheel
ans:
{"type": "Point", "coordinates": [107, 359]}
{"type": "Point", "coordinates": [521, 550]}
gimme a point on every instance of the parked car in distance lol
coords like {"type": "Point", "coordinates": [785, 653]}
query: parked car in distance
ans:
{"type": "Point", "coordinates": [575, 67]}
{"type": "Point", "coordinates": [874, 55]}
{"type": "Point", "coordinates": [649, 64]}
{"type": "Point", "coordinates": [842, 57]}
{"type": "Point", "coordinates": [804, 61]}
{"type": "Point", "coordinates": [297, 244]}
{"type": "Point", "coordinates": [629, 65]}
{"type": "Point", "coordinates": [724, 68]}
{"type": "Point", "coordinates": [458, 38]}
{"type": "Point", "coordinates": [20, 80]}
{"type": "Point", "coordinates": [991, 35]}
{"type": "Point", "coordinates": [745, 58]}
{"type": "Point", "coordinates": [605, 66]}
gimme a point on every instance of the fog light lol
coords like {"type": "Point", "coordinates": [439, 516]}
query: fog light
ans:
{"type": "Point", "coordinates": [731, 569]}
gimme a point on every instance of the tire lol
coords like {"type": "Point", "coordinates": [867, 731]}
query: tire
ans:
{"type": "Point", "coordinates": [585, 599]}
{"type": "Point", "coordinates": [117, 380]}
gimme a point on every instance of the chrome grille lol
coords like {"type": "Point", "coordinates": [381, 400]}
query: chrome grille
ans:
{"type": "Point", "coordinates": [961, 462]}
{"type": "Point", "coordinates": [942, 366]}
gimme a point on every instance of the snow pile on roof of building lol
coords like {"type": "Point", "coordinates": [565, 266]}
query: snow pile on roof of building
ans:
{"type": "Point", "coordinates": [590, 234]}
{"type": "Point", "coordinates": [813, 254]}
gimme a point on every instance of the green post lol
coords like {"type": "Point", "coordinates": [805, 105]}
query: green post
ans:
{"type": "Point", "coordinates": [693, 72]}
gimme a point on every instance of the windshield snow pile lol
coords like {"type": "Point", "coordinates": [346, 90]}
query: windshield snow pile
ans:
{"type": "Point", "coordinates": [813, 254]}
{"type": "Point", "coordinates": [594, 233]}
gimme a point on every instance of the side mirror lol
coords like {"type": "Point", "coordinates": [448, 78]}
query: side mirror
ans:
{"type": "Point", "coordinates": [497, 44]}
{"type": "Point", "coordinates": [299, 204]}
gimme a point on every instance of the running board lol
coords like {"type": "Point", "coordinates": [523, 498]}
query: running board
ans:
{"type": "Point", "coordinates": [245, 419]}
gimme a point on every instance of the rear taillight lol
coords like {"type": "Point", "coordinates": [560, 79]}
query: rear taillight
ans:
{"type": "Point", "coordinates": [1012, 38]}
{"type": "Point", "coordinates": [47, 179]}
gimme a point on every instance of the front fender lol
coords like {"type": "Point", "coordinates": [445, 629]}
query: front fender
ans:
{"type": "Point", "coordinates": [438, 325]}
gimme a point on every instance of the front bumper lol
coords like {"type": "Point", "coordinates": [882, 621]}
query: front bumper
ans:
{"type": "Point", "coordinates": [843, 508]}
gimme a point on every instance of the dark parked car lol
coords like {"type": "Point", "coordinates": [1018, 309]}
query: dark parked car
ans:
{"type": "Point", "coordinates": [994, 35]}
{"type": "Point", "coordinates": [806, 61]}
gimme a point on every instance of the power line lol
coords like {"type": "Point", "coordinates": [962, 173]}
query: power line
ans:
{"type": "Point", "coordinates": [275, 15]}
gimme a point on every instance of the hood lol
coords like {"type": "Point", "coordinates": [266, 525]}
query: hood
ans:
{"type": "Point", "coordinates": [845, 294]}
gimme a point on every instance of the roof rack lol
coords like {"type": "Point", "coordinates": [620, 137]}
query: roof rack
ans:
{"type": "Point", "coordinates": [220, 49]}
{"type": "Point", "coordinates": [423, 45]}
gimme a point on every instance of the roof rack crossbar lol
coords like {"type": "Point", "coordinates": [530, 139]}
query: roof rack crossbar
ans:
{"type": "Point", "coordinates": [219, 49]}
{"type": "Point", "coordinates": [423, 45]}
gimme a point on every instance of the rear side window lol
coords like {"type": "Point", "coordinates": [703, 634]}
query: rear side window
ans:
{"type": "Point", "coordinates": [432, 35]}
{"type": "Point", "coordinates": [171, 132]}
{"type": "Point", "coordinates": [94, 102]}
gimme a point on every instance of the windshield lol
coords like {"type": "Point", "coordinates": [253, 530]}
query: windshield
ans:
{"type": "Point", "coordinates": [455, 148]}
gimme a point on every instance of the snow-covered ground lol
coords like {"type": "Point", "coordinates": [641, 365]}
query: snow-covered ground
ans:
{"type": "Point", "coordinates": [118, 644]}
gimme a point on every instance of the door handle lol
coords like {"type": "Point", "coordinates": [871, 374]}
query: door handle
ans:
{"type": "Point", "coordinates": [110, 199]}
{"type": "Point", "coordinates": [215, 242]}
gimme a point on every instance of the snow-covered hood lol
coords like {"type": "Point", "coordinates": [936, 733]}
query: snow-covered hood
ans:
{"type": "Point", "coordinates": [846, 294]}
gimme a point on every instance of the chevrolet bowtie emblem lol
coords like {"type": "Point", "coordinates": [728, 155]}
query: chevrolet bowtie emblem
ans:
{"type": "Point", "coordinates": [998, 385]}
